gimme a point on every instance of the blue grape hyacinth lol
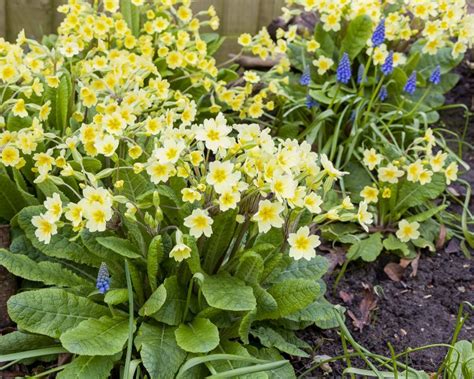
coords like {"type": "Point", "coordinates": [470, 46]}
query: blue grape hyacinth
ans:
{"type": "Point", "coordinates": [103, 279]}
{"type": "Point", "coordinates": [387, 66]}
{"type": "Point", "coordinates": [343, 73]}
{"type": "Point", "coordinates": [310, 102]}
{"type": "Point", "coordinates": [305, 79]}
{"type": "Point", "coordinates": [378, 37]}
{"type": "Point", "coordinates": [360, 74]}
{"type": "Point", "coordinates": [410, 86]}
{"type": "Point", "coordinates": [435, 77]}
{"type": "Point", "coordinates": [383, 94]}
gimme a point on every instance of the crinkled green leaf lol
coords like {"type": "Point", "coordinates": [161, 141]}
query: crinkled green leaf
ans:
{"type": "Point", "coordinates": [412, 194]}
{"type": "Point", "coordinates": [49, 273]}
{"type": "Point", "coordinates": [11, 198]}
{"type": "Point", "coordinates": [88, 367]}
{"type": "Point", "coordinates": [119, 246]}
{"type": "Point", "coordinates": [392, 243]}
{"type": "Point", "coordinates": [172, 311]}
{"type": "Point", "coordinates": [357, 34]}
{"type": "Point", "coordinates": [367, 249]}
{"type": "Point", "coordinates": [271, 338]}
{"type": "Point", "coordinates": [250, 268]}
{"type": "Point", "coordinates": [161, 355]}
{"type": "Point", "coordinates": [228, 293]}
{"type": "Point", "coordinates": [51, 311]}
{"type": "Point", "coordinates": [199, 336]}
{"type": "Point", "coordinates": [103, 336]}
{"type": "Point", "coordinates": [321, 312]}
{"type": "Point", "coordinates": [155, 302]}
{"type": "Point", "coordinates": [153, 259]}
{"type": "Point", "coordinates": [312, 269]}
{"type": "Point", "coordinates": [20, 341]}
{"type": "Point", "coordinates": [291, 296]}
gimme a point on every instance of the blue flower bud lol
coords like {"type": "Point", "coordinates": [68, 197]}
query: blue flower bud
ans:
{"type": "Point", "coordinates": [435, 77]}
{"type": "Point", "coordinates": [410, 86]}
{"type": "Point", "coordinates": [360, 74]}
{"type": "Point", "coordinates": [305, 79]}
{"type": "Point", "coordinates": [343, 73]}
{"type": "Point", "coordinates": [387, 66]}
{"type": "Point", "coordinates": [383, 94]}
{"type": "Point", "coordinates": [103, 279]}
{"type": "Point", "coordinates": [310, 102]}
{"type": "Point", "coordinates": [379, 34]}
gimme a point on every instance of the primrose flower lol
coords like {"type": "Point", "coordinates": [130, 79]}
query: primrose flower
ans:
{"type": "Point", "coordinates": [387, 67]}
{"type": "Point", "coordinates": [390, 174]}
{"type": "Point", "coordinates": [451, 173]}
{"type": "Point", "coordinates": [330, 169]}
{"type": "Point", "coordinates": [214, 133]}
{"type": "Point", "coordinates": [180, 251]}
{"type": "Point", "coordinates": [54, 207]}
{"type": "Point", "coordinates": [435, 77]}
{"type": "Point", "coordinates": [364, 217]}
{"type": "Point", "coordinates": [10, 156]}
{"type": "Point", "coordinates": [302, 244]}
{"type": "Point", "coordinates": [45, 228]}
{"type": "Point", "coordinates": [222, 176]}
{"type": "Point", "coordinates": [103, 279]}
{"type": "Point", "coordinates": [378, 37]}
{"type": "Point", "coordinates": [408, 231]}
{"type": "Point", "coordinates": [323, 64]}
{"type": "Point", "coordinates": [371, 158]}
{"type": "Point", "coordinates": [370, 194]}
{"type": "Point", "coordinates": [268, 216]}
{"type": "Point", "coordinates": [199, 223]}
{"type": "Point", "coordinates": [410, 86]}
{"type": "Point", "coordinates": [414, 170]}
{"type": "Point", "coordinates": [437, 161]}
{"type": "Point", "coordinates": [343, 73]}
{"type": "Point", "coordinates": [305, 79]}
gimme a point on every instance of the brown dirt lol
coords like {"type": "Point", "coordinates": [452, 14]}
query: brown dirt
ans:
{"type": "Point", "coordinates": [416, 311]}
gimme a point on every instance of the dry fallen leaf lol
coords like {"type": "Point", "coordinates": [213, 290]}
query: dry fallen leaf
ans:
{"type": "Point", "coordinates": [414, 265]}
{"type": "Point", "coordinates": [441, 237]}
{"type": "Point", "coordinates": [394, 271]}
{"type": "Point", "coordinates": [346, 297]}
{"type": "Point", "coordinates": [366, 306]}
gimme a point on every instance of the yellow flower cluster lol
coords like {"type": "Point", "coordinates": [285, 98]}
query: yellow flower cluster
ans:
{"type": "Point", "coordinates": [423, 164]}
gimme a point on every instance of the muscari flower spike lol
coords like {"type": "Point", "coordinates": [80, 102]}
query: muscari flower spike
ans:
{"type": "Point", "coordinates": [387, 66]}
{"type": "Point", "coordinates": [343, 73]}
{"type": "Point", "coordinates": [435, 77]}
{"type": "Point", "coordinates": [410, 86]}
{"type": "Point", "coordinates": [378, 37]}
{"type": "Point", "coordinates": [383, 94]}
{"type": "Point", "coordinates": [310, 102]}
{"type": "Point", "coordinates": [360, 74]}
{"type": "Point", "coordinates": [103, 279]}
{"type": "Point", "coordinates": [306, 77]}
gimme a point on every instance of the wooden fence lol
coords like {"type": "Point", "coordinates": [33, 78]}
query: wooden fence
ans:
{"type": "Point", "coordinates": [39, 17]}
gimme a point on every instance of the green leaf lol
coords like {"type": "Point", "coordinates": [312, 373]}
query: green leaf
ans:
{"type": "Point", "coordinates": [116, 296]}
{"type": "Point", "coordinates": [161, 355]}
{"type": "Point", "coordinates": [412, 194]}
{"type": "Point", "coordinates": [271, 354]}
{"type": "Point", "coordinates": [250, 268]}
{"type": "Point", "coordinates": [153, 259]}
{"type": "Point", "coordinates": [228, 293]}
{"type": "Point", "coordinates": [15, 123]}
{"type": "Point", "coordinates": [63, 96]}
{"type": "Point", "coordinates": [85, 367]}
{"type": "Point", "coordinates": [367, 249]}
{"type": "Point", "coordinates": [104, 336]}
{"type": "Point", "coordinates": [200, 336]}
{"type": "Point", "coordinates": [461, 361]}
{"type": "Point", "coordinates": [292, 295]}
{"type": "Point", "coordinates": [302, 269]}
{"type": "Point", "coordinates": [134, 184]}
{"type": "Point", "coordinates": [20, 341]}
{"type": "Point", "coordinates": [49, 273]}
{"type": "Point", "coordinates": [155, 302]}
{"type": "Point", "coordinates": [420, 217]}
{"type": "Point", "coordinates": [194, 261]}
{"type": "Point", "coordinates": [321, 312]}
{"type": "Point", "coordinates": [392, 243]}
{"type": "Point", "coordinates": [246, 324]}
{"type": "Point", "coordinates": [325, 40]}
{"type": "Point", "coordinates": [60, 245]}
{"type": "Point", "coordinates": [271, 338]}
{"type": "Point", "coordinates": [217, 245]}
{"type": "Point", "coordinates": [51, 311]}
{"type": "Point", "coordinates": [358, 32]}
{"type": "Point", "coordinates": [120, 246]}
{"type": "Point", "coordinates": [10, 197]}
{"type": "Point", "coordinates": [357, 179]}
{"type": "Point", "coordinates": [172, 311]}
{"type": "Point", "coordinates": [265, 302]}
